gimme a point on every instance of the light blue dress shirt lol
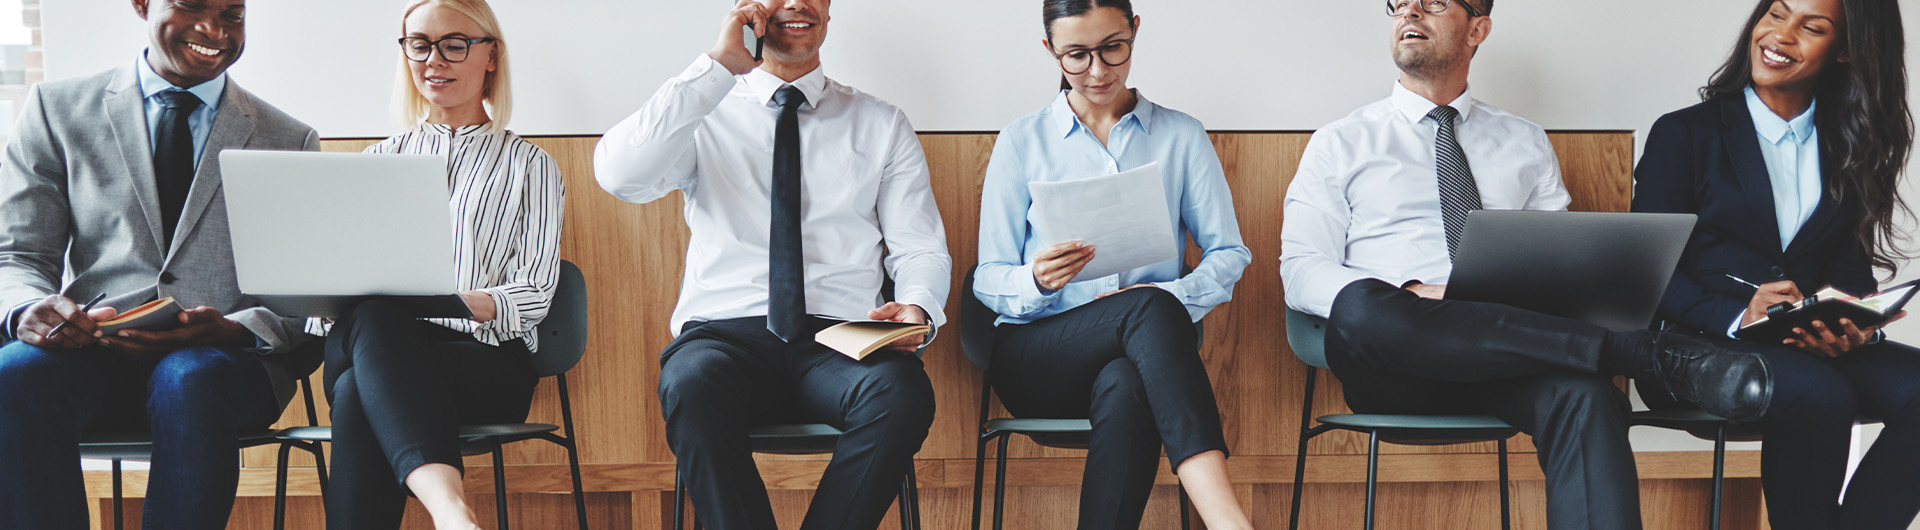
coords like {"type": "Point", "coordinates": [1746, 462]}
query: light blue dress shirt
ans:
{"type": "Point", "coordinates": [1791, 150]}
{"type": "Point", "coordinates": [1051, 145]}
{"type": "Point", "coordinates": [200, 121]}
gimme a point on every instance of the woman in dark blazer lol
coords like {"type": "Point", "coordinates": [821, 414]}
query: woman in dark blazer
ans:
{"type": "Point", "coordinates": [1793, 164]}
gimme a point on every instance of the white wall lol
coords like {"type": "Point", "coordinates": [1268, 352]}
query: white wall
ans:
{"type": "Point", "coordinates": [582, 65]}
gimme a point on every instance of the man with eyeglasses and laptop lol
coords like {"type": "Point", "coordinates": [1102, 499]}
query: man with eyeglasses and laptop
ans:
{"type": "Point", "coordinates": [1373, 218]}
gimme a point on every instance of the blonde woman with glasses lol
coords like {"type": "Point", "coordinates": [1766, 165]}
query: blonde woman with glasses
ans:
{"type": "Point", "coordinates": [401, 386]}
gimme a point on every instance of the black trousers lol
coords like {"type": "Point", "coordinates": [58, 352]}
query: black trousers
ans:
{"type": "Point", "coordinates": [1808, 431]}
{"type": "Point", "coordinates": [721, 378]}
{"type": "Point", "coordinates": [400, 389]}
{"type": "Point", "coordinates": [1130, 363]}
{"type": "Point", "coordinates": [1397, 353]}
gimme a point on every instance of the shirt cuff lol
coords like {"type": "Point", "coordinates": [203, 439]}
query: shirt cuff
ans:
{"type": "Point", "coordinates": [12, 320]}
{"type": "Point", "coordinates": [708, 75]}
{"type": "Point", "coordinates": [1735, 326]}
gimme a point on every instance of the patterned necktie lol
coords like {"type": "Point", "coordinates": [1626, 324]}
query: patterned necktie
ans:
{"type": "Point", "coordinates": [173, 156]}
{"type": "Point", "coordinates": [1458, 193]}
{"type": "Point", "coordinates": [786, 292]}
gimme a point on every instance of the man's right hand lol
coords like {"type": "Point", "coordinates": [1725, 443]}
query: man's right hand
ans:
{"type": "Point", "coordinates": [731, 52]}
{"type": "Point", "coordinates": [40, 318]}
{"type": "Point", "coordinates": [1058, 264]}
{"type": "Point", "coordinates": [1767, 296]}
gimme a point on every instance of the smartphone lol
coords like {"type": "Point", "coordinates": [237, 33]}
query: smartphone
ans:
{"type": "Point", "coordinates": [752, 43]}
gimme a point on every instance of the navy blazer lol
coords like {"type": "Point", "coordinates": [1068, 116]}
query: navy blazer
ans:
{"type": "Point", "coordinates": [1705, 160]}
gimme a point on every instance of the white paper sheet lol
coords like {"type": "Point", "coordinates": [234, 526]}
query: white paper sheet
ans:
{"type": "Point", "coordinates": [1124, 217]}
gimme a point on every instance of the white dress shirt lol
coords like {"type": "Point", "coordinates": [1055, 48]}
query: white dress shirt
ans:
{"type": "Point", "coordinates": [1366, 201]}
{"type": "Point", "coordinates": [865, 198]}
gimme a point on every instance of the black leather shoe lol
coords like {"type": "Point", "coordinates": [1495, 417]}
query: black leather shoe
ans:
{"type": "Point", "coordinates": [1733, 385]}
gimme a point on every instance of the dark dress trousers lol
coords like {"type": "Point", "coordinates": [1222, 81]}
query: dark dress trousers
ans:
{"type": "Point", "coordinates": [1706, 160]}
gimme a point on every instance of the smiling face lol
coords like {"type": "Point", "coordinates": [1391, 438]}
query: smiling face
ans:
{"type": "Point", "coordinates": [1105, 30]}
{"type": "Point", "coordinates": [1794, 42]}
{"type": "Point", "coordinates": [193, 41]}
{"type": "Point", "coordinates": [445, 84]}
{"type": "Point", "coordinates": [798, 29]}
{"type": "Point", "coordinates": [1427, 45]}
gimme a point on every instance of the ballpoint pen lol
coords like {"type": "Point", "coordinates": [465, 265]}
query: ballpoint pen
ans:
{"type": "Point", "coordinates": [83, 310]}
{"type": "Point", "coordinates": [1742, 280]}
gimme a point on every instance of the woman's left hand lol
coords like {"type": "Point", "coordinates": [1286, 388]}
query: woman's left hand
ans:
{"type": "Point", "coordinates": [481, 304]}
{"type": "Point", "coordinates": [1829, 342]}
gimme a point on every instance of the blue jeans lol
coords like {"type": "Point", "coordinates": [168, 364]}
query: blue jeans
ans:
{"type": "Point", "coordinates": [194, 400]}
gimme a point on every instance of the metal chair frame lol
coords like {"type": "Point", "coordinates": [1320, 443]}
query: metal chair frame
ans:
{"type": "Point", "coordinates": [1391, 428]}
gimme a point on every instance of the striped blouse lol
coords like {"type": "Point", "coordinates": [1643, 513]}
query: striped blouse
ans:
{"type": "Point", "coordinates": [506, 202]}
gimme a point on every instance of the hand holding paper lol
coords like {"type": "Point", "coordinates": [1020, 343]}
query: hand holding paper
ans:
{"type": "Point", "coordinates": [1124, 216]}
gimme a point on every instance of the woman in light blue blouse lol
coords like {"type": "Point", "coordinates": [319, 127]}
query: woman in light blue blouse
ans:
{"type": "Point", "coordinates": [1122, 349]}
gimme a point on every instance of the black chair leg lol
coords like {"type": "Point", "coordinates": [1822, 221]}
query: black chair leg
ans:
{"type": "Point", "coordinates": [500, 485]}
{"type": "Point", "coordinates": [679, 499]}
{"type": "Point", "coordinates": [118, 520]}
{"type": "Point", "coordinates": [319, 468]}
{"type": "Point", "coordinates": [1719, 473]}
{"type": "Point", "coordinates": [1300, 458]}
{"type": "Point", "coordinates": [1373, 472]}
{"type": "Point", "coordinates": [1186, 506]}
{"type": "Point", "coordinates": [979, 474]}
{"type": "Point", "coordinates": [1506, 513]}
{"type": "Point", "coordinates": [913, 494]}
{"type": "Point", "coordinates": [579, 498]}
{"type": "Point", "coordinates": [280, 488]}
{"type": "Point", "coordinates": [1000, 482]}
{"type": "Point", "coordinates": [906, 500]}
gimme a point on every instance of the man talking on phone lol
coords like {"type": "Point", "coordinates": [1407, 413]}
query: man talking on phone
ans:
{"type": "Point", "coordinates": [112, 185]}
{"type": "Point", "coordinates": [803, 197]}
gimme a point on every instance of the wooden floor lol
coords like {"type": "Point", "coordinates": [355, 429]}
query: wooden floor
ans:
{"type": "Point", "coordinates": [632, 257]}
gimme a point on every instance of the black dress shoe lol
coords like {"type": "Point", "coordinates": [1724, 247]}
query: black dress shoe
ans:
{"type": "Point", "coordinates": [1733, 385]}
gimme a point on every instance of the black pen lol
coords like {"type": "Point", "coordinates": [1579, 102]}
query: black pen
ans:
{"type": "Point", "coordinates": [1741, 280]}
{"type": "Point", "coordinates": [83, 310]}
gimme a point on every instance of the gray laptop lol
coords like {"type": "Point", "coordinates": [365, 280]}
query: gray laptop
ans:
{"type": "Point", "coordinates": [1608, 269]}
{"type": "Point", "coordinates": [314, 233]}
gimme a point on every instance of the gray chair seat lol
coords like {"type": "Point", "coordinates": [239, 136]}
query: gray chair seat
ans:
{"type": "Point", "coordinates": [139, 445]}
{"type": "Point", "coordinates": [794, 439]}
{"type": "Point", "coordinates": [1423, 430]}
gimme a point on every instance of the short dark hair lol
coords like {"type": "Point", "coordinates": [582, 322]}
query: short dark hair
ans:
{"type": "Point", "coordinates": [1485, 6]}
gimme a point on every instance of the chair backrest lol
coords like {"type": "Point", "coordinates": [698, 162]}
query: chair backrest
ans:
{"type": "Point", "coordinates": [1307, 335]}
{"type": "Point", "coordinates": [976, 324]}
{"type": "Point", "coordinates": [563, 334]}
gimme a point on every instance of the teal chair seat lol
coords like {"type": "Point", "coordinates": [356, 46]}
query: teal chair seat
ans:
{"type": "Point", "coordinates": [1306, 335]}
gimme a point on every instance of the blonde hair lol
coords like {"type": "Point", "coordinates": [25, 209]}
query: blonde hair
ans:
{"type": "Point", "coordinates": [412, 107]}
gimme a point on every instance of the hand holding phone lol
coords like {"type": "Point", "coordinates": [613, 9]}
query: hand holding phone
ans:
{"type": "Point", "coordinates": [740, 37]}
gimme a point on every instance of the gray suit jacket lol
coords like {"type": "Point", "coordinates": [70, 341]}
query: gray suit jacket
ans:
{"type": "Point", "coordinates": [77, 197]}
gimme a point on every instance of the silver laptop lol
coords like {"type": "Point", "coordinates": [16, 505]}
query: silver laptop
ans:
{"type": "Point", "coordinates": [1609, 269]}
{"type": "Point", "coordinates": [314, 233]}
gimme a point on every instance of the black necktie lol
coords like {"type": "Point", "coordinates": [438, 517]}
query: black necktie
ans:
{"type": "Point", "coordinates": [173, 156]}
{"type": "Point", "coordinates": [786, 294]}
{"type": "Point", "coordinates": [1458, 193]}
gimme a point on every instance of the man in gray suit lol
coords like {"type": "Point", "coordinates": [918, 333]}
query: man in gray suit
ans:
{"type": "Point", "coordinates": [112, 184]}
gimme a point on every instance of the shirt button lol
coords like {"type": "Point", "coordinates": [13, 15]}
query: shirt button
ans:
{"type": "Point", "coordinates": [167, 278]}
{"type": "Point", "coordinates": [1779, 272]}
